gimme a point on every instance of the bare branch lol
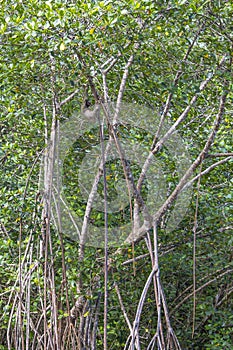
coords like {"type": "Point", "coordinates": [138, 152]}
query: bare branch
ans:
{"type": "Point", "coordinates": [122, 306]}
{"type": "Point", "coordinates": [135, 334]}
{"type": "Point", "coordinates": [195, 164]}
{"type": "Point", "coordinates": [122, 85]}
{"type": "Point", "coordinates": [206, 171]}
{"type": "Point", "coordinates": [175, 82]}
{"type": "Point", "coordinates": [69, 98]}
{"type": "Point", "coordinates": [216, 155]}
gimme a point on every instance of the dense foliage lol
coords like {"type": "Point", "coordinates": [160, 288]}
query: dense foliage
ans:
{"type": "Point", "coordinates": [175, 57]}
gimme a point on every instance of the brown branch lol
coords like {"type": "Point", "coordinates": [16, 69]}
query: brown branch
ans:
{"type": "Point", "coordinates": [215, 155]}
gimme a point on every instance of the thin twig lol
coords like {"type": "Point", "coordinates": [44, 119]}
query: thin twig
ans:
{"type": "Point", "coordinates": [122, 306]}
{"type": "Point", "coordinates": [200, 288]}
{"type": "Point", "coordinates": [105, 238]}
{"type": "Point", "coordinates": [194, 250]}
